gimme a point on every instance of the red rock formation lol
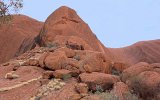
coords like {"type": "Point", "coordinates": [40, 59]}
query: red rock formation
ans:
{"type": "Point", "coordinates": [18, 36]}
{"type": "Point", "coordinates": [66, 26]}
{"type": "Point", "coordinates": [146, 51]}
{"type": "Point", "coordinates": [74, 55]}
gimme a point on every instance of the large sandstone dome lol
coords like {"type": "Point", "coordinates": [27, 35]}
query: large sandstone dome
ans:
{"type": "Point", "coordinates": [18, 36]}
{"type": "Point", "coordinates": [64, 26]}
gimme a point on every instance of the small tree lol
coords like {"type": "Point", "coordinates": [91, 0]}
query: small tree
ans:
{"type": "Point", "coordinates": [8, 7]}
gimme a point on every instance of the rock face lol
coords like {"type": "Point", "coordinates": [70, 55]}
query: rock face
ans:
{"type": "Point", "coordinates": [70, 63]}
{"type": "Point", "coordinates": [146, 51]}
{"type": "Point", "coordinates": [65, 27]}
{"type": "Point", "coordinates": [18, 36]}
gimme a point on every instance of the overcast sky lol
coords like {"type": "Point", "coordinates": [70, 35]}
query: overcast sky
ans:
{"type": "Point", "coordinates": [117, 23]}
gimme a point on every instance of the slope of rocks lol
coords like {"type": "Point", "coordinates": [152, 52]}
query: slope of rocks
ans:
{"type": "Point", "coordinates": [61, 73]}
{"type": "Point", "coordinates": [53, 73]}
{"type": "Point", "coordinates": [18, 36]}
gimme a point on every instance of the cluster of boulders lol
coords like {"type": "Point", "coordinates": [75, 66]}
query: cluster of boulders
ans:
{"type": "Point", "coordinates": [90, 69]}
{"type": "Point", "coordinates": [92, 73]}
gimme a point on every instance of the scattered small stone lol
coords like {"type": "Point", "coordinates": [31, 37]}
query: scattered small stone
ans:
{"type": "Point", "coordinates": [15, 68]}
{"type": "Point", "coordinates": [11, 75]}
{"type": "Point", "coordinates": [62, 83]}
{"type": "Point", "coordinates": [6, 64]}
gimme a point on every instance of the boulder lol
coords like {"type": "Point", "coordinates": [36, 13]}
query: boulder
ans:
{"type": "Point", "coordinates": [72, 65]}
{"type": "Point", "coordinates": [135, 70]}
{"type": "Point", "coordinates": [69, 52]}
{"type": "Point", "coordinates": [97, 80]}
{"type": "Point", "coordinates": [94, 62]}
{"type": "Point", "coordinates": [62, 74]}
{"type": "Point", "coordinates": [56, 60]}
{"type": "Point", "coordinates": [42, 59]}
{"type": "Point", "coordinates": [120, 89]}
{"type": "Point", "coordinates": [147, 84]}
{"type": "Point", "coordinates": [81, 88]}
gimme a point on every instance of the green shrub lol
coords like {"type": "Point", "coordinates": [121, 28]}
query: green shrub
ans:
{"type": "Point", "coordinates": [77, 57]}
{"type": "Point", "coordinates": [108, 96]}
{"type": "Point", "coordinates": [5, 19]}
{"type": "Point", "coordinates": [115, 72]}
{"type": "Point", "coordinates": [99, 89]}
{"type": "Point", "coordinates": [130, 96]}
{"type": "Point", "coordinates": [66, 77]}
{"type": "Point", "coordinates": [7, 7]}
{"type": "Point", "coordinates": [52, 45]}
{"type": "Point", "coordinates": [111, 96]}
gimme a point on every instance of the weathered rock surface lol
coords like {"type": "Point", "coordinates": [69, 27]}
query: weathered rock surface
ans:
{"type": "Point", "coordinates": [56, 60]}
{"type": "Point", "coordinates": [18, 36]}
{"type": "Point", "coordinates": [99, 80]}
{"type": "Point", "coordinates": [144, 51]}
{"type": "Point", "coordinates": [65, 27]}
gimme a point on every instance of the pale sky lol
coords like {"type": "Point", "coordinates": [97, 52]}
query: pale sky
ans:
{"type": "Point", "coordinates": [117, 23]}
